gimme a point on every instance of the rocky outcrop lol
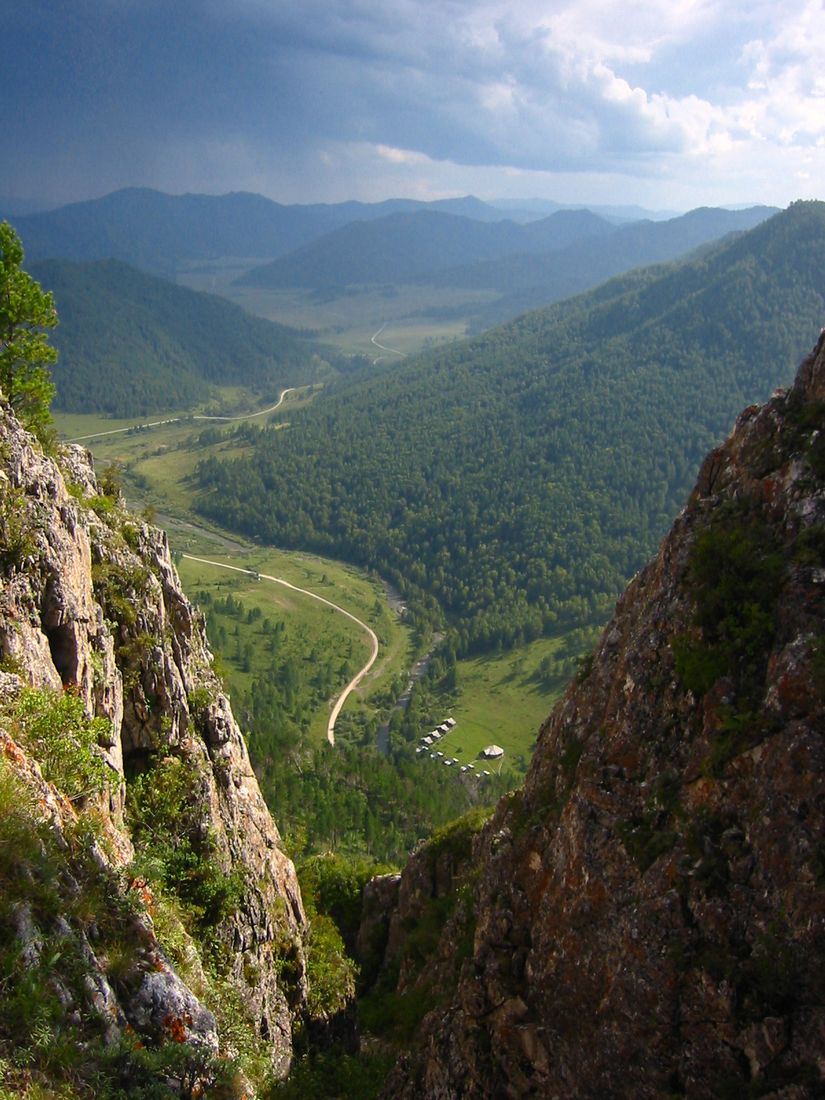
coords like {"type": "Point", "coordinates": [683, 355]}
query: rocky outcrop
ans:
{"type": "Point", "coordinates": [650, 913]}
{"type": "Point", "coordinates": [90, 604]}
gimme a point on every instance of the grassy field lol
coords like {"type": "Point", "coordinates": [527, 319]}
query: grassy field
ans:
{"type": "Point", "coordinates": [348, 317]}
{"type": "Point", "coordinates": [315, 635]}
{"type": "Point", "coordinates": [499, 699]}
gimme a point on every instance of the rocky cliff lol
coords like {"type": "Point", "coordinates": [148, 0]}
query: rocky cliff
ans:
{"type": "Point", "coordinates": [650, 908]}
{"type": "Point", "coordinates": [145, 889]}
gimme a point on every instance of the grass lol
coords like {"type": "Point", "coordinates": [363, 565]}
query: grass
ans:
{"type": "Point", "coordinates": [314, 632]}
{"type": "Point", "coordinates": [347, 318]}
{"type": "Point", "coordinates": [501, 699]}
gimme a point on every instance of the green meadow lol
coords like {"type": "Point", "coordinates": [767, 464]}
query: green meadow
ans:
{"type": "Point", "coordinates": [497, 698]}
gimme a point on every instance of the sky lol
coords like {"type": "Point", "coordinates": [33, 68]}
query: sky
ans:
{"type": "Point", "coordinates": [668, 104]}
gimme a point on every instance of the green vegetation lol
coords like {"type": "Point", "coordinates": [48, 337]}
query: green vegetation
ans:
{"type": "Point", "coordinates": [25, 353]}
{"type": "Point", "coordinates": [332, 884]}
{"type": "Point", "coordinates": [512, 484]}
{"type": "Point", "coordinates": [17, 527]}
{"type": "Point", "coordinates": [334, 1075]}
{"type": "Point", "coordinates": [159, 345]}
{"type": "Point", "coordinates": [59, 902]}
{"type": "Point", "coordinates": [284, 656]}
{"type": "Point", "coordinates": [164, 810]}
{"type": "Point", "coordinates": [394, 1014]}
{"type": "Point", "coordinates": [54, 727]}
{"type": "Point", "coordinates": [734, 574]}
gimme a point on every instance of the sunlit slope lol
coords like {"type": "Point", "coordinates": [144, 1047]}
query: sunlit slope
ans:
{"type": "Point", "coordinates": [518, 479]}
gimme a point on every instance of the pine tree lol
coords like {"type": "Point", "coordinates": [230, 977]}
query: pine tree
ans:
{"type": "Point", "coordinates": [26, 311]}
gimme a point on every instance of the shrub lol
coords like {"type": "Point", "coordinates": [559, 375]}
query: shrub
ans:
{"type": "Point", "coordinates": [64, 740]}
{"type": "Point", "coordinates": [163, 808]}
{"type": "Point", "coordinates": [734, 572]}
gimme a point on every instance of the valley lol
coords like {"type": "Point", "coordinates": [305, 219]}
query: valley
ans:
{"type": "Point", "coordinates": [507, 526]}
{"type": "Point", "coordinates": [412, 551]}
{"type": "Point", "coordinates": [286, 658]}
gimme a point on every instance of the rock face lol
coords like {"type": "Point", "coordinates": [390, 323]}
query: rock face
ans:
{"type": "Point", "coordinates": [90, 603]}
{"type": "Point", "coordinates": [650, 914]}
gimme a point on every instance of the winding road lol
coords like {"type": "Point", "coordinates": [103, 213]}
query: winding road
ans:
{"type": "Point", "coordinates": [383, 347]}
{"type": "Point", "coordinates": [180, 420]}
{"type": "Point", "coordinates": [356, 680]}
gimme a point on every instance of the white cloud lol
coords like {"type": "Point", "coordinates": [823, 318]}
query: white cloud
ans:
{"type": "Point", "coordinates": [661, 94]}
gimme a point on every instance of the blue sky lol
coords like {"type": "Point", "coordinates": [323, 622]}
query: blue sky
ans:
{"type": "Point", "coordinates": [668, 103]}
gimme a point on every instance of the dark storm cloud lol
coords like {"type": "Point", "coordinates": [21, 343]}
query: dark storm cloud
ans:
{"type": "Point", "coordinates": [209, 94]}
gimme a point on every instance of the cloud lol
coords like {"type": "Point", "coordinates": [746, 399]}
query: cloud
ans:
{"type": "Point", "coordinates": [270, 92]}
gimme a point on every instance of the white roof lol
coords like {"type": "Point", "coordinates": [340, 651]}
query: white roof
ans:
{"type": "Point", "coordinates": [492, 752]}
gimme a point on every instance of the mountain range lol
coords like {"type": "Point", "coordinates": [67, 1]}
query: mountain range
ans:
{"type": "Point", "coordinates": [159, 232]}
{"type": "Point", "coordinates": [526, 265]}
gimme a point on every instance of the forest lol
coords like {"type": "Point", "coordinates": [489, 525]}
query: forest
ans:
{"type": "Point", "coordinates": [511, 484]}
{"type": "Point", "coordinates": [352, 798]}
{"type": "Point", "coordinates": [131, 344]}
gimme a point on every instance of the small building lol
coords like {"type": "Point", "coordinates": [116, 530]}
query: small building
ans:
{"type": "Point", "coordinates": [493, 752]}
{"type": "Point", "coordinates": [449, 723]}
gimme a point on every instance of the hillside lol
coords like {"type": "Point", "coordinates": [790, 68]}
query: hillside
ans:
{"type": "Point", "coordinates": [413, 247]}
{"type": "Point", "coordinates": [519, 479]}
{"type": "Point", "coordinates": [131, 344]}
{"type": "Point", "coordinates": [528, 265]}
{"type": "Point", "coordinates": [646, 918]}
{"type": "Point", "coordinates": [530, 281]}
{"type": "Point", "coordinates": [159, 232]}
{"type": "Point", "coordinates": [153, 941]}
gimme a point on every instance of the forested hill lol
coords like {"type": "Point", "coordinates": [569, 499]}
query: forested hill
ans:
{"type": "Point", "coordinates": [521, 477]}
{"type": "Point", "coordinates": [543, 262]}
{"type": "Point", "coordinates": [157, 232]}
{"type": "Point", "coordinates": [131, 344]}
{"type": "Point", "coordinates": [531, 281]}
{"type": "Point", "coordinates": [410, 247]}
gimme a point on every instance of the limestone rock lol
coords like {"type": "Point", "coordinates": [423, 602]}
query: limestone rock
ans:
{"type": "Point", "coordinates": [90, 602]}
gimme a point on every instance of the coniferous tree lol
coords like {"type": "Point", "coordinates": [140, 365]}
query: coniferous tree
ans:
{"type": "Point", "coordinates": [26, 311]}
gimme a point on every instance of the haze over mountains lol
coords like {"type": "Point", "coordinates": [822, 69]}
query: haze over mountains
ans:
{"type": "Point", "coordinates": [494, 267]}
{"type": "Point", "coordinates": [157, 231]}
{"type": "Point", "coordinates": [428, 246]}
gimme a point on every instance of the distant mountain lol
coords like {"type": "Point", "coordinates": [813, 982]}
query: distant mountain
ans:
{"type": "Point", "coordinates": [158, 232]}
{"type": "Point", "coordinates": [413, 247]}
{"type": "Point", "coordinates": [532, 281]}
{"type": "Point", "coordinates": [131, 344]}
{"type": "Point", "coordinates": [530, 209]}
{"type": "Point", "coordinates": [519, 478]}
{"type": "Point", "coordinates": [528, 265]}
